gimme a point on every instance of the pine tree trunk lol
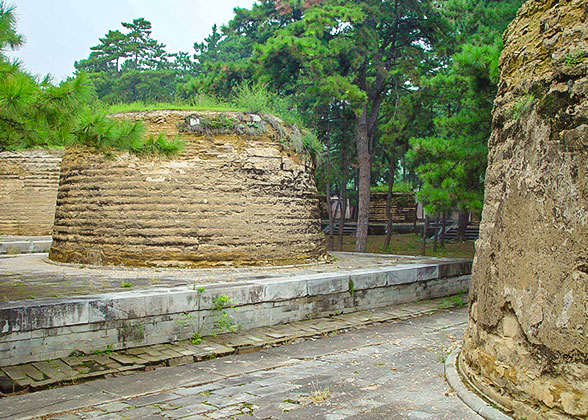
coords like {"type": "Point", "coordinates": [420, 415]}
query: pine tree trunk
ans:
{"type": "Point", "coordinates": [364, 158]}
{"type": "Point", "coordinates": [443, 224]}
{"type": "Point", "coordinates": [330, 213]}
{"type": "Point", "coordinates": [391, 173]}
{"type": "Point", "coordinates": [436, 234]}
{"type": "Point", "coordinates": [462, 224]}
{"type": "Point", "coordinates": [342, 219]}
{"type": "Point", "coordinates": [425, 228]}
{"type": "Point", "coordinates": [343, 195]}
{"type": "Point", "coordinates": [416, 216]}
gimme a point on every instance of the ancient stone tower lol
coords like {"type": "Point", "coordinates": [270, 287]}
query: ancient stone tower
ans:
{"type": "Point", "coordinates": [526, 345]}
{"type": "Point", "coordinates": [236, 195]}
{"type": "Point", "coordinates": [28, 189]}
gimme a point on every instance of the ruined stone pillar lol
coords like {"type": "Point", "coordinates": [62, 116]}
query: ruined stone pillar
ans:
{"type": "Point", "coordinates": [237, 195]}
{"type": "Point", "coordinates": [526, 345]}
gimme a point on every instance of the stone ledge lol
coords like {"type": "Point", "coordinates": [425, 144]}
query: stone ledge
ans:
{"type": "Point", "coordinates": [10, 246]}
{"type": "Point", "coordinates": [35, 376]}
{"type": "Point", "coordinates": [35, 330]}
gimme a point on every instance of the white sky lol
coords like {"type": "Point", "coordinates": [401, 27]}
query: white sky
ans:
{"type": "Point", "coordinates": [59, 32]}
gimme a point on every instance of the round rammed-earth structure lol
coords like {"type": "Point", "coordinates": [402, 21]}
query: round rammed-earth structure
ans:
{"type": "Point", "coordinates": [526, 344]}
{"type": "Point", "coordinates": [236, 195]}
{"type": "Point", "coordinates": [28, 189]}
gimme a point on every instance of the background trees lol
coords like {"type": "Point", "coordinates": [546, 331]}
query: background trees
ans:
{"type": "Point", "coordinates": [37, 113]}
{"type": "Point", "coordinates": [131, 66]}
{"type": "Point", "coordinates": [399, 92]}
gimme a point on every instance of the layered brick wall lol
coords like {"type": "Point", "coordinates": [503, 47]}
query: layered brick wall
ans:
{"type": "Point", "coordinates": [235, 195]}
{"type": "Point", "coordinates": [28, 190]}
{"type": "Point", "coordinates": [402, 207]}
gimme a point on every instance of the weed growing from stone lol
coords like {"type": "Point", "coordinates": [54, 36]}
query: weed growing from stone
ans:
{"type": "Point", "coordinates": [107, 351]}
{"type": "Point", "coordinates": [223, 321]}
{"type": "Point", "coordinates": [12, 250]}
{"type": "Point", "coordinates": [576, 57]}
{"type": "Point", "coordinates": [126, 284]}
{"type": "Point", "coordinates": [521, 106]}
{"type": "Point", "coordinates": [456, 301]}
{"type": "Point", "coordinates": [196, 337]}
{"type": "Point", "coordinates": [319, 394]}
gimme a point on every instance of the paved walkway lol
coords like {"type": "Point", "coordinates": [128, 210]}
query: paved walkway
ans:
{"type": "Point", "coordinates": [390, 371]}
{"type": "Point", "coordinates": [35, 376]}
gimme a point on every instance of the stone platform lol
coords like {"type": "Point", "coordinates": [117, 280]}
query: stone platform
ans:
{"type": "Point", "coordinates": [50, 310]}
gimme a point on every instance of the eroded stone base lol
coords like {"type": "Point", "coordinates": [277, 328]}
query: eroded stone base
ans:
{"type": "Point", "coordinates": [534, 382]}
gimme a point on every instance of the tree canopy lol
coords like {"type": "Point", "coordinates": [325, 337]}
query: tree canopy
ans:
{"type": "Point", "coordinates": [398, 92]}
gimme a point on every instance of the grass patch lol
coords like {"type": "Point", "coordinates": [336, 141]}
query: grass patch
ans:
{"type": "Point", "coordinates": [203, 106]}
{"type": "Point", "coordinates": [410, 244]}
{"type": "Point", "coordinates": [319, 395]}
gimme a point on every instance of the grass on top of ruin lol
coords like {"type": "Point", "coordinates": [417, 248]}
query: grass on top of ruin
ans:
{"type": "Point", "coordinates": [204, 106]}
{"type": "Point", "coordinates": [410, 244]}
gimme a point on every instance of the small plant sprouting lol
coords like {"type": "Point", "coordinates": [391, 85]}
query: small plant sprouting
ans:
{"type": "Point", "coordinates": [456, 301]}
{"type": "Point", "coordinates": [576, 57]}
{"type": "Point", "coordinates": [223, 321]}
{"type": "Point", "coordinates": [126, 284]}
{"type": "Point", "coordinates": [521, 106]}
{"type": "Point", "coordinates": [319, 394]}
{"type": "Point", "coordinates": [351, 287]}
{"type": "Point", "coordinates": [107, 351]}
{"type": "Point", "coordinates": [196, 337]}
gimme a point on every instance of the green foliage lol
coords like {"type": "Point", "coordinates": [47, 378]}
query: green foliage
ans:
{"type": "Point", "coordinates": [575, 57]}
{"type": "Point", "coordinates": [223, 321]}
{"type": "Point", "coordinates": [137, 85]}
{"type": "Point", "coordinates": [458, 300]}
{"type": "Point", "coordinates": [450, 157]}
{"type": "Point", "coordinates": [37, 113]}
{"type": "Point", "coordinates": [259, 98]}
{"type": "Point", "coordinates": [133, 50]}
{"type": "Point", "coordinates": [106, 351]}
{"type": "Point", "coordinates": [96, 130]}
{"type": "Point", "coordinates": [254, 98]}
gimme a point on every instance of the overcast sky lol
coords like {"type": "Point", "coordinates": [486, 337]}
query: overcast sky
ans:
{"type": "Point", "coordinates": [59, 32]}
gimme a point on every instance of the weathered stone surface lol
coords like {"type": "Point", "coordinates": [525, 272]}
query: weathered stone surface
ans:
{"type": "Point", "coordinates": [235, 197]}
{"type": "Point", "coordinates": [527, 341]}
{"type": "Point", "coordinates": [28, 190]}
{"type": "Point", "coordinates": [38, 329]}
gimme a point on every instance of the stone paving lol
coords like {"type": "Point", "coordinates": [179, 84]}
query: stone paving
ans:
{"type": "Point", "coordinates": [389, 371]}
{"type": "Point", "coordinates": [83, 367]}
{"type": "Point", "coordinates": [35, 277]}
